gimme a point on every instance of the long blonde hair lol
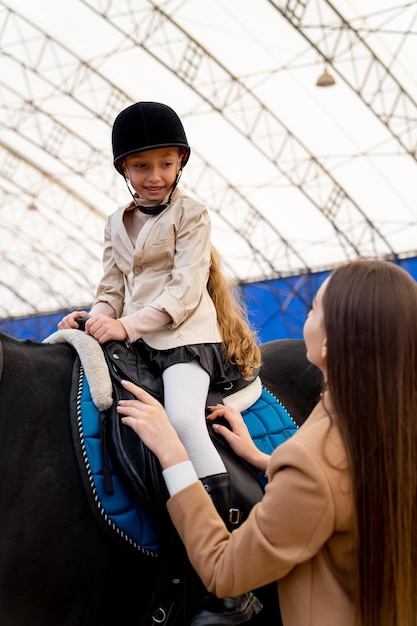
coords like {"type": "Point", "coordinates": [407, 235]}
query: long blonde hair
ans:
{"type": "Point", "coordinates": [239, 338]}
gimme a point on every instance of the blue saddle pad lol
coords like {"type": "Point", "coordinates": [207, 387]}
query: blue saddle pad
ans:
{"type": "Point", "coordinates": [119, 511]}
{"type": "Point", "coordinates": [267, 420]}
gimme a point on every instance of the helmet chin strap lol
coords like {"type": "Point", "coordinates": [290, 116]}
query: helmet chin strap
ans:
{"type": "Point", "coordinates": [154, 210]}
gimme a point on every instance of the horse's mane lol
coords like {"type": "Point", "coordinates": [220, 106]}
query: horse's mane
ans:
{"type": "Point", "coordinates": [5, 338]}
{"type": "Point", "coordinates": [21, 343]}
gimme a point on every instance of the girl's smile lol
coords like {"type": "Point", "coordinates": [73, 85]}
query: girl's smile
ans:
{"type": "Point", "coordinates": [153, 173]}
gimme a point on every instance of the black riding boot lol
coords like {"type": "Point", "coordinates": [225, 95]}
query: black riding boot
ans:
{"type": "Point", "coordinates": [225, 611]}
{"type": "Point", "coordinates": [219, 489]}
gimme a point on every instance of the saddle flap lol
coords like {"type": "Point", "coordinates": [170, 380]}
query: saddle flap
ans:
{"type": "Point", "coordinates": [128, 362]}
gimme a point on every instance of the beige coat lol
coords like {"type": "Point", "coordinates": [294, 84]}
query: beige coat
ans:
{"type": "Point", "coordinates": [167, 269]}
{"type": "Point", "coordinates": [299, 534]}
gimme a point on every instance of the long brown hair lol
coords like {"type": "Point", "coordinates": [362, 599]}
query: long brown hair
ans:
{"type": "Point", "coordinates": [370, 313]}
{"type": "Point", "coordinates": [239, 338]}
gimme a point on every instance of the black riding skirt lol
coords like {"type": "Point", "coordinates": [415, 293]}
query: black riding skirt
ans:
{"type": "Point", "coordinates": [211, 356]}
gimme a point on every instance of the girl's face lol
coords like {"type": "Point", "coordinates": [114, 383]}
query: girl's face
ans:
{"type": "Point", "coordinates": [152, 173]}
{"type": "Point", "coordinates": [314, 333]}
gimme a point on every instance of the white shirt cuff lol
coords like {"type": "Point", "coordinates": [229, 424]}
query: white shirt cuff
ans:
{"type": "Point", "coordinates": [179, 476]}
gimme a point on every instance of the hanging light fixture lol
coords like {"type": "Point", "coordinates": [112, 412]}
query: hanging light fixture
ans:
{"type": "Point", "coordinates": [325, 80]}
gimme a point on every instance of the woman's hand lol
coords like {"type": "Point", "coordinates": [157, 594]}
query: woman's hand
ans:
{"type": "Point", "coordinates": [147, 417]}
{"type": "Point", "coordinates": [238, 436]}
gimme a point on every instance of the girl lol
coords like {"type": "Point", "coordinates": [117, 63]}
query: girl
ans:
{"type": "Point", "coordinates": [162, 286]}
{"type": "Point", "coordinates": [337, 527]}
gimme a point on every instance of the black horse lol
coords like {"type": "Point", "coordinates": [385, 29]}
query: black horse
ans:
{"type": "Point", "coordinates": [57, 566]}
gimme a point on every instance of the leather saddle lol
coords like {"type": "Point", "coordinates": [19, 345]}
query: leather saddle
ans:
{"type": "Point", "coordinates": [136, 464]}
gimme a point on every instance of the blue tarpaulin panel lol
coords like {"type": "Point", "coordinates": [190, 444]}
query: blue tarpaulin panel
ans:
{"type": "Point", "coordinates": [277, 308]}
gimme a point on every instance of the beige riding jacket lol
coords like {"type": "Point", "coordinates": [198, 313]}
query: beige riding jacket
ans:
{"type": "Point", "coordinates": [300, 534]}
{"type": "Point", "coordinates": [166, 270]}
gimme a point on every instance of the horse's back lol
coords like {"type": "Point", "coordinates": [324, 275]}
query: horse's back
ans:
{"type": "Point", "coordinates": [290, 376]}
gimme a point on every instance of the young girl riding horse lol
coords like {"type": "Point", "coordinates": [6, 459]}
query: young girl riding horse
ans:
{"type": "Point", "coordinates": [162, 287]}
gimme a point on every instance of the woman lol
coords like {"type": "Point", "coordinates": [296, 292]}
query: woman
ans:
{"type": "Point", "coordinates": [337, 527]}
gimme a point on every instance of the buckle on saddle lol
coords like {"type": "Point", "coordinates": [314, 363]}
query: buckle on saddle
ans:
{"type": "Point", "coordinates": [235, 517]}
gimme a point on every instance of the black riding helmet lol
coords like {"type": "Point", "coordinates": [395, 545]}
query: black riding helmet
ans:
{"type": "Point", "coordinates": [147, 126]}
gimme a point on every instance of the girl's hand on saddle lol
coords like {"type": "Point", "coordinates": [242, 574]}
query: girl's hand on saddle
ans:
{"type": "Point", "coordinates": [147, 417]}
{"type": "Point", "coordinates": [69, 320]}
{"type": "Point", "coordinates": [104, 328]}
{"type": "Point", "coordinates": [237, 435]}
